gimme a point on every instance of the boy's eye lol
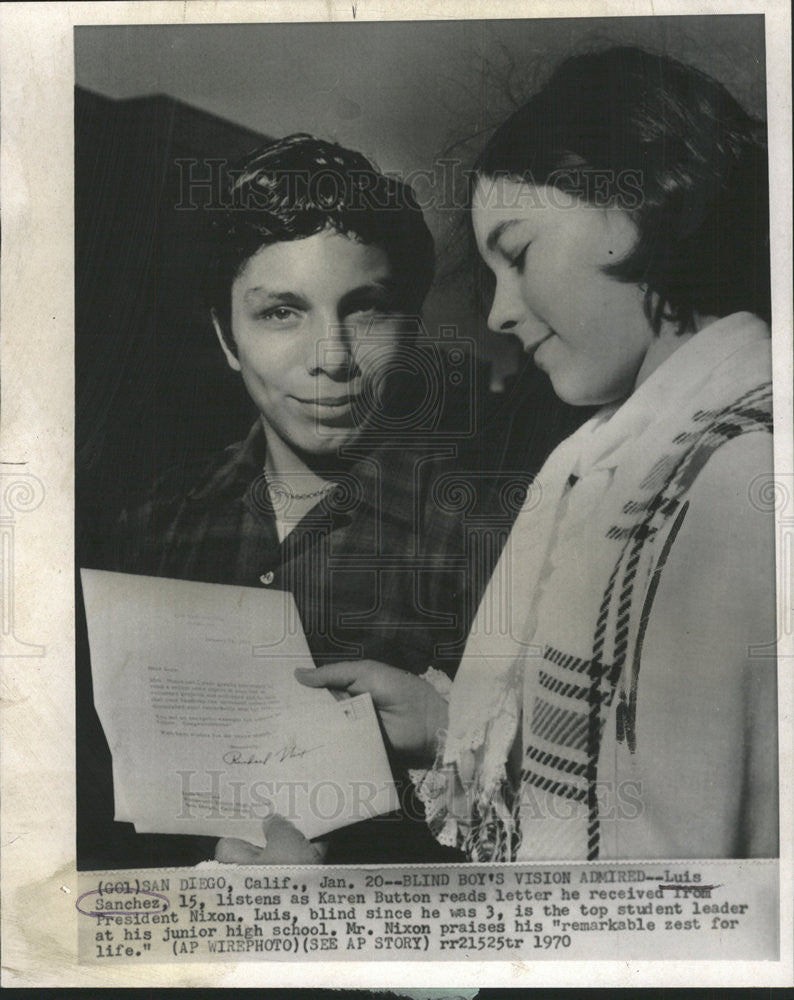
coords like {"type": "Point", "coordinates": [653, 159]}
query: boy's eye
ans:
{"type": "Point", "coordinates": [278, 313]}
{"type": "Point", "coordinates": [369, 316]}
{"type": "Point", "coordinates": [369, 307]}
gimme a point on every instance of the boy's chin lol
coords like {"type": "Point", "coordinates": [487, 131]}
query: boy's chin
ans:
{"type": "Point", "coordinates": [326, 445]}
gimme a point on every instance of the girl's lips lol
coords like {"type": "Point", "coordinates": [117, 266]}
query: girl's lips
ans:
{"type": "Point", "coordinates": [531, 348]}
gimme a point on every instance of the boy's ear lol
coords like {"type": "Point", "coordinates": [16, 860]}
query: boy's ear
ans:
{"type": "Point", "coordinates": [226, 346]}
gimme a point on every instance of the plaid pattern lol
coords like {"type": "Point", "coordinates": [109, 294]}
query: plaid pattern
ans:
{"type": "Point", "coordinates": [377, 569]}
{"type": "Point", "coordinates": [576, 694]}
{"type": "Point", "coordinates": [391, 568]}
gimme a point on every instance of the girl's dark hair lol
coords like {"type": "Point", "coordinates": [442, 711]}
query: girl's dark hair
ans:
{"type": "Point", "coordinates": [297, 186]}
{"type": "Point", "coordinates": [670, 146]}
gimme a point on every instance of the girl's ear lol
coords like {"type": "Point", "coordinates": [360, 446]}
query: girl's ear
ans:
{"type": "Point", "coordinates": [227, 344]}
{"type": "Point", "coordinates": [621, 234]}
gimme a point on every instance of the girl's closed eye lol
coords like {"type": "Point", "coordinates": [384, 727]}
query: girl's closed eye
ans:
{"type": "Point", "coordinates": [517, 260]}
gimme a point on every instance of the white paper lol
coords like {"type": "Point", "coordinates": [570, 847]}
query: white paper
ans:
{"type": "Point", "coordinates": [209, 731]}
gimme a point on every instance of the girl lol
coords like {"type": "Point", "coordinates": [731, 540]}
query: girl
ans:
{"type": "Point", "coordinates": [625, 707]}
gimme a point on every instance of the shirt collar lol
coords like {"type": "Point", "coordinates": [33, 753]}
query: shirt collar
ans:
{"type": "Point", "coordinates": [241, 463]}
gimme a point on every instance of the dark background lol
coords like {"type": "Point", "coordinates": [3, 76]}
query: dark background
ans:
{"type": "Point", "coordinates": [153, 391]}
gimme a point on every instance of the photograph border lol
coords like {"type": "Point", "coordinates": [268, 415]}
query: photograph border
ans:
{"type": "Point", "coordinates": [37, 450]}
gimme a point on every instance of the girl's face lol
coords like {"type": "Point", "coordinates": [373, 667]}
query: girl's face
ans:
{"type": "Point", "coordinates": [546, 248]}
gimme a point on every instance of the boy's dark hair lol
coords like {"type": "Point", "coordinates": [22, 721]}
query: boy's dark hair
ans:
{"type": "Point", "coordinates": [673, 148]}
{"type": "Point", "coordinates": [297, 186]}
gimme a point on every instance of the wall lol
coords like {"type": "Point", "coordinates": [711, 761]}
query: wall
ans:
{"type": "Point", "coordinates": [399, 91]}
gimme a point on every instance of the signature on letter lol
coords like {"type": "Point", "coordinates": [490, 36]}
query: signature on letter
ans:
{"type": "Point", "coordinates": [288, 752]}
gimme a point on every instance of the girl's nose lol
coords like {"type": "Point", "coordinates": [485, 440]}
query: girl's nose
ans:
{"type": "Point", "coordinates": [505, 309]}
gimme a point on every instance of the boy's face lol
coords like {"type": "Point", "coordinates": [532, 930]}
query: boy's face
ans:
{"type": "Point", "coordinates": [315, 329]}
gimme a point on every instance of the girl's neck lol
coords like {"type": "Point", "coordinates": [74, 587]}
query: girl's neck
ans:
{"type": "Point", "coordinates": [665, 344]}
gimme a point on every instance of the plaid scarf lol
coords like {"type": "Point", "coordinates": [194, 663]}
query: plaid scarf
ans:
{"type": "Point", "coordinates": [579, 576]}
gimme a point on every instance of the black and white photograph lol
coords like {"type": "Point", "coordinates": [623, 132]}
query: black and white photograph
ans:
{"type": "Point", "coordinates": [565, 438]}
{"type": "Point", "coordinates": [429, 492]}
